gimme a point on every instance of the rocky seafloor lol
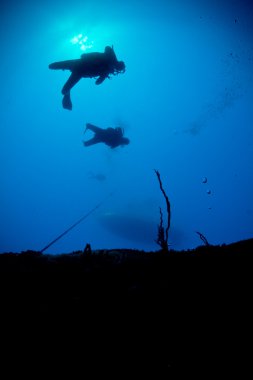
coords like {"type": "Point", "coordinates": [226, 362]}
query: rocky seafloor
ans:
{"type": "Point", "coordinates": [128, 313]}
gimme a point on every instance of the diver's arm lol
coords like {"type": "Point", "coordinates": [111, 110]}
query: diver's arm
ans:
{"type": "Point", "coordinates": [101, 79]}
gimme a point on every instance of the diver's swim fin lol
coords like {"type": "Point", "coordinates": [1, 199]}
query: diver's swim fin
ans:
{"type": "Point", "coordinates": [66, 102]}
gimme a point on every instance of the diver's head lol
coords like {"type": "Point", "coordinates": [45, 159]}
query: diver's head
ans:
{"type": "Point", "coordinates": [124, 141]}
{"type": "Point", "coordinates": [120, 67]}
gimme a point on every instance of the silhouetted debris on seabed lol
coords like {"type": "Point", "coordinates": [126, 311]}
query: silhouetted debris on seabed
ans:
{"type": "Point", "coordinates": [130, 312]}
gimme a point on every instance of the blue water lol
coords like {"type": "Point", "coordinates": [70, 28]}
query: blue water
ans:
{"type": "Point", "coordinates": [185, 102]}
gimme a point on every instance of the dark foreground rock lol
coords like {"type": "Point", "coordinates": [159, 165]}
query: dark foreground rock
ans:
{"type": "Point", "coordinates": [127, 313]}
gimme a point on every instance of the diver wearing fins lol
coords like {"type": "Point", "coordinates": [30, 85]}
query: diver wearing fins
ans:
{"type": "Point", "coordinates": [90, 65]}
{"type": "Point", "coordinates": [112, 137]}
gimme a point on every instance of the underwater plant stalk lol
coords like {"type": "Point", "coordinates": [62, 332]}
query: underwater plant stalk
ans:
{"type": "Point", "coordinates": [203, 238]}
{"type": "Point", "coordinates": [162, 239]}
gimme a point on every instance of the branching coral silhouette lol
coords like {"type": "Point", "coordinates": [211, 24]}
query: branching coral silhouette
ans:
{"type": "Point", "coordinates": [203, 238]}
{"type": "Point", "coordinates": [162, 234]}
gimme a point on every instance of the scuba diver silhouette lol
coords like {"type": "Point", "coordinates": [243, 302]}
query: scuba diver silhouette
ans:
{"type": "Point", "coordinates": [112, 137]}
{"type": "Point", "coordinates": [90, 65]}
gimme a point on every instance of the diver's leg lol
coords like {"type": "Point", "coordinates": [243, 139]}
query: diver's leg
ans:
{"type": "Point", "coordinates": [65, 65]}
{"type": "Point", "coordinates": [73, 79]}
{"type": "Point", "coordinates": [92, 141]}
{"type": "Point", "coordinates": [93, 128]}
{"type": "Point", "coordinates": [66, 101]}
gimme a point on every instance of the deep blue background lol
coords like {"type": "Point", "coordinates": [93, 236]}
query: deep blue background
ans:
{"type": "Point", "coordinates": [185, 102]}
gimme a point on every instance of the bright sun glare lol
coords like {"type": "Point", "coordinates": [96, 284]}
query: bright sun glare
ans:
{"type": "Point", "coordinates": [82, 40]}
